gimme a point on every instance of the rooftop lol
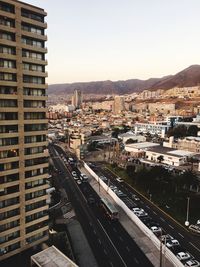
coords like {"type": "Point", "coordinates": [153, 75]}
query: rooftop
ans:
{"type": "Point", "coordinates": [52, 257]}
{"type": "Point", "coordinates": [143, 145]}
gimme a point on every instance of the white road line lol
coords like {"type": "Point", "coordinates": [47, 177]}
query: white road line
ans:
{"type": "Point", "coordinates": [94, 232]}
{"type": "Point", "coordinates": [147, 207]}
{"type": "Point", "coordinates": [114, 229]}
{"type": "Point", "coordinates": [136, 261]}
{"type": "Point", "coordinates": [171, 226]}
{"type": "Point", "coordinates": [111, 264]}
{"type": "Point", "coordinates": [121, 238]}
{"type": "Point", "coordinates": [154, 212]}
{"type": "Point", "coordinates": [194, 246]}
{"type": "Point", "coordinates": [112, 243]}
{"type": "Point", "coordinates": [128, 249]}
{"type": "Point", "coordinates": [105, 252]}
{"type": "Point", "coordinates": [162, 219]}
{"type": "Point", "coordinates": [99, 241]}
{"type": "Point", "coordinates": [181, 235]}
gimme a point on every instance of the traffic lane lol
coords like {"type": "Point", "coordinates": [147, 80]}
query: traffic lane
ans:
{"type": "Point", "coordinates": [188, 241]}
{"type": "Point", "coordinates": [92, 227]}
{"type": "Point", "coordinates": [119, 236]}
{"type": "Point", "coordinates": [127, 253]}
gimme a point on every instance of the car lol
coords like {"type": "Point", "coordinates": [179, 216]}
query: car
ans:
{"type": "Point", "coordinates": [166, 238]}
{"type": "Point", "coordinates": [172, 243]}
{"type": "Point", "coordinates": [182, 256]}
{"type": "Point", "coordinates": [75, 178]}
{"type": "Point", "coordinates": [119, 180]}
{"type": "Point", "coordinates": [137, 210]}
{"type": "Point", "coordinates": [135, 197]}
{"type": "Point", "coordinates": [156, 230]}
{"type": "Point", "coordinates": [192, 263]}
{"type": "Point", "coordinates": [113, 187]}
{"type": "Point", "coordinates": [79, 182]}
{"type": "Point", "coordinates": [74, 173]}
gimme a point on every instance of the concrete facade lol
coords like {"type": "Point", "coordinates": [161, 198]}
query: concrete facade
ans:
{"type": "Point", "coordinates": [23, 128]}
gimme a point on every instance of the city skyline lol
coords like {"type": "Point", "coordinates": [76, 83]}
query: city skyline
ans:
{"type": "Point", "coordinates": [115, 41]}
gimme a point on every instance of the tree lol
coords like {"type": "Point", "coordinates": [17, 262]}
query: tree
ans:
{"type": "Point", "coordinates": [192, 130]}
{"type": "Point", "coordinates": [130, 169]}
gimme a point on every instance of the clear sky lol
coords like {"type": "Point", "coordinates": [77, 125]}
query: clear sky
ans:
{"type": "Point", "coordinates": [90, 40]}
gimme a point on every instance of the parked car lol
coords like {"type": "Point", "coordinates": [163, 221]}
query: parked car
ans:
{"type": "Point", "coordinates": [192, 263]}
{"type": "Point", "coordinates": [79, 182]}
{"type": "Point", "coordinates": [156, 230]}
{"type": "Point", "coordinates": [172, 243]}
{"type": "Point", "coordinates": [166, 238]}
{"type": "Point", "coordinates": [119, 180]}
{"type": "Point", "coordinates": [135, 197]}
{"type": "Point", "coordinates": [137, 210]}
{"type": "Point", "coordinates": [182, 256]}
{"type": "Point", "coordinates": [74, 173]}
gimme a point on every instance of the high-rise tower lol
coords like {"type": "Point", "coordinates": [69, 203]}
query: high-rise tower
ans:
{"type": "Point", "coordinates": [77, 99]}
{"type": "Point", "coordinates": [23, 127]}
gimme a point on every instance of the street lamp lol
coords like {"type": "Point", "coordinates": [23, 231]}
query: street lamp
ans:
{"type": "Point", "coordinates": [187, 215]}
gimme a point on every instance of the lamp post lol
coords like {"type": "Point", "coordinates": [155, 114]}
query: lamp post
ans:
{"type": "Point", "coordinates": [187, 215]}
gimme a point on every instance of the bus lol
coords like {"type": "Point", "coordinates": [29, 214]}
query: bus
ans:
{"type": "Point", "coordinates": [109, 209]}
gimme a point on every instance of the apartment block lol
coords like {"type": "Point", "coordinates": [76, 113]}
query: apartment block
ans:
{"type": "Point", "coordinates": [23, 127]}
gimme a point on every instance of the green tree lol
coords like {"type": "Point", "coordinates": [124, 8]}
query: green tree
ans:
{"type": "Point", "coordinates": [130, 141]}
{"type": "Point", "coordinates": [192, 130]}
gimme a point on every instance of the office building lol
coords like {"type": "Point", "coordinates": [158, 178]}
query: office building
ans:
{"type": "Point", "coordinates": [23, 127]}
{"type": "Point", "coordinates": [77, 99]}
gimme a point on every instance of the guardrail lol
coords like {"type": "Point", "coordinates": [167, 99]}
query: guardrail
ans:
{"type": "Point", "coordinates": [168, 254]}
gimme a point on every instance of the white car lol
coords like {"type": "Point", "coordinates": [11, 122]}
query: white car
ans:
{"type": "Point", "coordinates": [172, 243]}
{"type": "Point", "coordinates": [137, 210]}
{"type": "Point", "coordinates": [192, 263]}
{"type": "Point", "coordinates": [156, 229]}
{"type": "Point", "coordinates": [74, 173]}
{"type": "Point", "coordinates": [182, 256]}
{"type": "Point", "coordinates": [79, 182]}
{"type": "Point", "coordinates": [119, 180]}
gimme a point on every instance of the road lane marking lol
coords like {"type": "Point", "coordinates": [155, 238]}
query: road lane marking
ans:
{"type": "Point", "coordinates": [114, 229]}
{"type": "Point", "coordinates": [136, 261]}
{"type": "Point", "coordinates": [112, 243]}
{"type": "Point", "coordinates": [171, 226]}
{"type": "Point", "coordinates": [128, 249]}
{"type": "Point", "coordinates": [162, 219]}
{"type": "Point", "coordinates": [111, 264]}
{"type": "Point", "coordinates": [194, 246]}
{"type": "Point", "coordinates": [181, 235]}
{"type": "Point", "coordinates": [121, 238]}
{"type": "Point", "coordinates": [94, 232]}
{"type": "Point", "coordinates": [99, 241]}
{"type": "Point", "coordinates": [105, 252]}
{"type": "Point", "coordinates": [155, 213]}
{"type": "Point", "coordinates": [147, 207]}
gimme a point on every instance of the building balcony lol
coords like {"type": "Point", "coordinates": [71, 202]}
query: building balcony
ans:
{"type": "Point", "coordinates": [11, 171]}
{"type": "Point", "coordinates": [34, 22]}
{"type": "Point", "coordinates": [8, 42]}
{"type": "Point", "coordinates": [37, 155]}
{"type": "Point", "coordinates": [11, 159]}
{"type": "Point", "coordinates": [33, 109]}
{"type": "Point", "coordinates": [8, 109]}
{"type": "Point", "coordinates": [12, 195]}
{"type": "Point", "coordinates": [36, 85]}
{"type": "Point", "coordinates": [31, 201]}
{"type": "Point", "coordinates": [13, 241]}
{"type": "Point", "coordinates": [9, 231]}
{"type": "Point", "coordinates": [7, 14]}
{"type": "Point", "coordinates": [35, 133]}
{"type": "Point", "coordinates": [11, 207]}
{"type": "Point", "coordinates": [8, 83]}
{"type": "Point", "coordinates": [8, 70]}
{"type": "Point", "coordinates": [8, 56]}
{"type": "Point", "coordinates": [38, 166]}
{"type": "Point", "coordinates": [34, 61]}
{"type": "Point", "coordinates": [35, 48]}
{"type": "Point", "coordinates": [45, 207]}
{"type": "Point", "coordinates": [34, 35]}
{"type": "Point", "coordinates": [41, 121]}
{"type": "Point", "coordinates": [8, 96]}
{"type": "Point", "coordinates": [5, 135]}
{"type": "Point", "coordinates": [44, 218]}
{"type": "Point", "coordinates": [35, 178]}
{"type": "Point", "coordinates": [37, 188]}
{"type": "Point", "coordinates": [10, 147]}
{"type": "Point", "coordinates": [8, 28]}
{"type": "Point", "coordinates": [45, 143]}
{"type": "Point", "coordinates": [35, 73]}
{"type": "Point", "coordinates": [35, 97]}
{"type": "Point", "coordinates": [11, 122]}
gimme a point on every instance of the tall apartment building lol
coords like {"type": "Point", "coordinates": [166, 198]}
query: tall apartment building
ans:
{"type": "Point", "coordinates": [23, 127]}
{"type": "Point", "coordinates": [77, 99]}
{"type": "Point", "coordinates": [119, 104]}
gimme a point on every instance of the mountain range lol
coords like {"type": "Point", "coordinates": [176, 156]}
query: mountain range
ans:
{"type": "Point", "coordinates": [187, 77]}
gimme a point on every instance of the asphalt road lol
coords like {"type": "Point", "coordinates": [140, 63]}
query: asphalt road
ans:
{"type": "Point", "coordinates": [111, 244]}
{"type": "Point", "coordinates": [188, 241]}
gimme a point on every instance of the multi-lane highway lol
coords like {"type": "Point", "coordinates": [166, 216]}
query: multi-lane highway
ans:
{"type": "Point", "coordinates": [111, 244]}
{"type": "Point", "coordinates": [188, 241]}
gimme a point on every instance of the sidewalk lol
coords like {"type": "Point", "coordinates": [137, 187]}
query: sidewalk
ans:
{"type": "Point", "coordinates": [145, 244]}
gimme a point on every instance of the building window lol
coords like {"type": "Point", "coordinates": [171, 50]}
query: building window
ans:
{"type": "Point", "coordinates": [7, 63]}
{"type": "Point", "coordinates": [33, 79]}
{"type": "Point", "coordinates": [7, 22]}
{"type": "Point", "coordinates": [32, 42]}
{"type": "Point", "coordinates": [34, 55]}
{"type": "Point", "coordinates": [33, 67]}
{"type": "Point", "coordinates": [30, 28]}
{"type": "Point", "coordinates": [7, 77]}
{"type": "Point", "coordinates": [7, 7]}
{"type": "Point", "coordinates": [7, 36]}
{"type": "Point", "coordinates": [31, 15]}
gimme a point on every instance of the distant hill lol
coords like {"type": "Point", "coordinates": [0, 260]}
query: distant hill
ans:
{"type": "Point", "coordinates": [187, 77]}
